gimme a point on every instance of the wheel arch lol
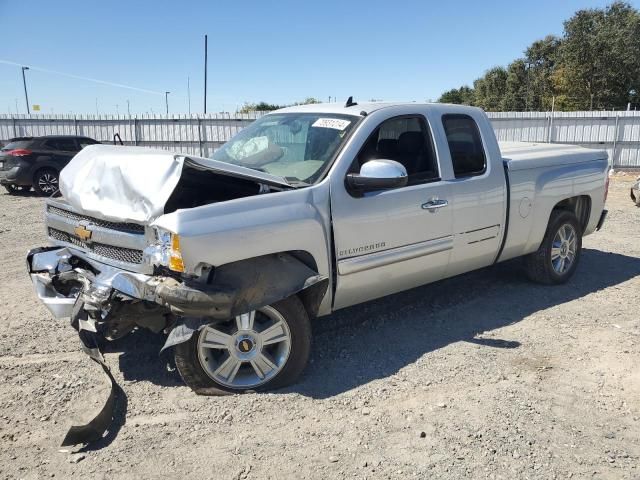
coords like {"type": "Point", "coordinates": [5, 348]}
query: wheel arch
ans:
{"type": "Point", "coordinates": [580, 206]}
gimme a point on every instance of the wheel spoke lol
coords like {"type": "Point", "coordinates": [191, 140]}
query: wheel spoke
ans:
{"type": "Point", "coordinates": [561, 265]}
{"type": "Point", "coordinates": [562, 233]}
{"type": "Point", "coordinates": [245, 321]}
{"type": "Point", "coordinates": [215, 339]}
{"type": "Point", "coordinates": [555, 252]}
{"type": "Point", "coordinates": [229, 368]}
{"type": "Point", "coordinates": [262, 365]}
{"type": "Point", "coordinates": [276, 333]}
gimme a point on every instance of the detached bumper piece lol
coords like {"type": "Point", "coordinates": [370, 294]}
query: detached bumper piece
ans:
{"type": "Point", "coordinates": [99, 425]}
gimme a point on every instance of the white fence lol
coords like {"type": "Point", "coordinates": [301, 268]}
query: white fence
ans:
{"type": "Point", "coordinates": [617, 132]}
{"type": "Point", "coordinates": [190, 134]}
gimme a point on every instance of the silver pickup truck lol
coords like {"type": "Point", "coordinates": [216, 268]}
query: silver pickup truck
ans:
{"type": "Point", "coordinates": [308, 210]}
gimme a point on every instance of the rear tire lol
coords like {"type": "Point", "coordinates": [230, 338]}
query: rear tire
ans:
{"type": "Point", "coordinates": [201, 361]}
{"type": "Point", "coordinates": [557, 258]}
{"type": "Point", "coordinates": [45, 182]}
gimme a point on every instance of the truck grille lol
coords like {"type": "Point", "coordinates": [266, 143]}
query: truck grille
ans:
{"type": "Point", "coordinates": [119, 254]}
{"type": "Point", "coordinates": [118, 226]}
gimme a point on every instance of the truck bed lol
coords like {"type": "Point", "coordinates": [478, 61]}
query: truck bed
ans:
{"type": "Point", "coordinates": [524, 155]}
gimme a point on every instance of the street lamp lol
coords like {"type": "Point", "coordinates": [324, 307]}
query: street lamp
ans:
{"type": "Point", "coordinates": [24, 82]}
{"type": "Point", "coordinates": [166, 101]}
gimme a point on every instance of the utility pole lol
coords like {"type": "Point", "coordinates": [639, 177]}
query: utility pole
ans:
{"type": "Point", "coordinates": [205, 74]}
{"type": "Point", "coordinates": [26, 96]}
{"type": "Point", "coordinates": [117, 111]}
{"type": "Point", "coordinates": [166, 101]}
{"type": "Point", "coordinates": [128, 108]}
{"type": "Point", "coordinates": [189, 94]}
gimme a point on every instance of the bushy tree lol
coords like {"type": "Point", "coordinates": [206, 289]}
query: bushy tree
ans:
{"type": "Point", "coordinates": [461, 96]}
{"type": "Point", "coordinates": [600, 58]}
{"type": "Point", "coordinates": [595, 65]}
{"type": "Point", "coordinates": [490, 89]}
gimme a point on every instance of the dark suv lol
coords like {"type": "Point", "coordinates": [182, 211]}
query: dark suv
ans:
{"type": "Point", "coordinates": [36, 162]}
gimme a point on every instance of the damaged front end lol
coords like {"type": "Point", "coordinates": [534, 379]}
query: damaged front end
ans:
{"type": "Point", "coordinates": [107, 302]}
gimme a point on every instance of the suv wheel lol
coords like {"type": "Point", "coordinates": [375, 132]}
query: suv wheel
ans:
{"type": "Point", "coordinates": [261, 350]}
{"type": "Point", "coordinates": [45, 181]}
{"type": "Point", "coordinates": [556, 259]}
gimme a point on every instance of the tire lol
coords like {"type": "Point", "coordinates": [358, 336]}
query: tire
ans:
{"type": "Point", "coordinates": [555, 264]}
{"type": "Point", "coordinates": [45, 182]}
{"type": "Point", "coordinates": [11, 189]}
{"type": "Point", "coordinates": [197, 362]}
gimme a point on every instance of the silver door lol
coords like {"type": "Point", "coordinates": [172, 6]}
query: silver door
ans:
{"type": "Point", "coordinates": [389, 241]}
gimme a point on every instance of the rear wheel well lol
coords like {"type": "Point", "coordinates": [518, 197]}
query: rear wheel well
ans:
{"type": "Point", "coordinates": [580, 206]}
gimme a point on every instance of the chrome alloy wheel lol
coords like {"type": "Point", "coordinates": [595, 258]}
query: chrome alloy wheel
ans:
{"type": "Point", "coordinates": [246, 352]}
{"type": "Point", "coordinates": [48, 182]}
{"type": "Point", "coordinates": [564, 248]}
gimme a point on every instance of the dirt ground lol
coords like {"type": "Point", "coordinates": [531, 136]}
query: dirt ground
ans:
{"type": "Point", "coordinates": [485, 375]}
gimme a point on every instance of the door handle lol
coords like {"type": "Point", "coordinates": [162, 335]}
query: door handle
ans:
{"type": "Point", "coordinates": [434, 204]}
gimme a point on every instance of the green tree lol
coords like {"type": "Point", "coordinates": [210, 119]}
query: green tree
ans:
{"type": "Point", "coordinates": [541, 60]}
{"type": "Point", "coordinates": [490, 89]}
{"type": "Point", "coordinates": [515, 96]}
{"type": "Point", "coordinates": [461, 96]}
{"type": "Point", "coordinates": [600, 58]}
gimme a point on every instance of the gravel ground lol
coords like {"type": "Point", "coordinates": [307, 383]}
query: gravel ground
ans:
{"type": "Point", "coordinates": [481, 376]}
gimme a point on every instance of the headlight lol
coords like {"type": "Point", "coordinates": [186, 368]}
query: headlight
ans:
{"type": "Point", "coordinates": [170, 255]}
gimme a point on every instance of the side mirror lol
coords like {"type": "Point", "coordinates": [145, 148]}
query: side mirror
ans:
{"type": "Point", "coordinates": [378, 175]}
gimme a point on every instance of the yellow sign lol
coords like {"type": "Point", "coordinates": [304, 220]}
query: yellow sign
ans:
{"type": "Point", "coordinates": [36, 108]}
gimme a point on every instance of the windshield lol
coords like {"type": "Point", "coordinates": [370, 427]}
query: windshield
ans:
{"type": "Point", "coordinates": [297, 146]}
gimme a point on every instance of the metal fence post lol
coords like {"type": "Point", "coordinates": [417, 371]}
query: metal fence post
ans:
{"type": "Point", "coordinates": [615, 141]}
{"type": "Point", "coordinates": [75, 125]}
{"type": "Point", "coordinates": [199, 135]}
{"type": "Point", "coordinates": [135, 130]}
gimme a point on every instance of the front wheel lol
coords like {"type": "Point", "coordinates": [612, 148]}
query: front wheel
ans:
{"type": "Point", "coordinates": [557, 258]}
{"type": "Point", "coordinates": [261, 350]}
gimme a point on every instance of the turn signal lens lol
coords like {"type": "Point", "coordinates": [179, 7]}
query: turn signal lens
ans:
{"type": "Point", "coordinates": [175, 256]}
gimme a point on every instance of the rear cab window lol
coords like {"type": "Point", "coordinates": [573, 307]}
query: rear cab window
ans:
{"type": "Point", "coordinates": [465, 145]}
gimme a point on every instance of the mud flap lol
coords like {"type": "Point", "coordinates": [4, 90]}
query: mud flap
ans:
{"type": "Point", "coordinates": [99, 425]}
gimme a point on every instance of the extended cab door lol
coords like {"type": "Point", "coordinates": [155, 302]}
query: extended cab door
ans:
{"type": "Point", "coordinates": [478, 186]}
{"type": "Point", "coordinates": [392, 240]}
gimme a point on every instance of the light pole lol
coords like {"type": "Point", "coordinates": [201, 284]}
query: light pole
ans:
{"type": "Point", "coordinates": [128, 108]}
{"type": "Point", "coordinates": [166, 101]}
{"type": "Point", "coordinates": [26, 96]}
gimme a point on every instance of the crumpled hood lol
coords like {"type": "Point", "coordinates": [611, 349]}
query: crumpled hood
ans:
{"type": "Point", "coordinates": [134, 183]}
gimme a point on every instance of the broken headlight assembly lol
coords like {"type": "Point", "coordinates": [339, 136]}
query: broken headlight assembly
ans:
{"type": "Point", "coordinates": [167, 250]}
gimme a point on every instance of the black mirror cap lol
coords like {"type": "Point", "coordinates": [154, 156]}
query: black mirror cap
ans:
{"type": "Point", "coordinates": [359, 184]}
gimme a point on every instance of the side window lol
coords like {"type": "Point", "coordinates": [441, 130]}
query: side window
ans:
{"type": "Point", "coordinates": [406, 140]}
{"type": "Point", "coordinates": [465, 145]}
{"type": "Point", "coordinates": [62, 144]}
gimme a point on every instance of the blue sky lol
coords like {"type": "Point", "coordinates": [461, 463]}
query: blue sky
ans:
{"type": "Point", "coordinates": [279, 52]}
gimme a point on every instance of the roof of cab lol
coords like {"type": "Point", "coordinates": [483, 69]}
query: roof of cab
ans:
{"type": "Point", "coordinates": [363, 108]}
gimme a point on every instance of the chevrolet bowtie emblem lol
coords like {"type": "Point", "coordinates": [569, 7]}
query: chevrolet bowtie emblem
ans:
{"type": "Point", "coordinates": [83, 233]}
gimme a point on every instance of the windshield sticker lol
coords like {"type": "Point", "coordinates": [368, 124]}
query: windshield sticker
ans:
{"type": "Point", "coordinates": [335, 123]}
